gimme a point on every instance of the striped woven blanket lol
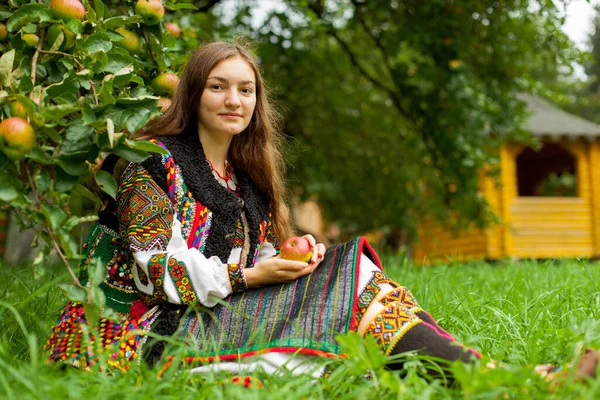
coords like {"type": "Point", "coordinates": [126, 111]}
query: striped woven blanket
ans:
{"type": "Point", "coordinates": [305, 315]}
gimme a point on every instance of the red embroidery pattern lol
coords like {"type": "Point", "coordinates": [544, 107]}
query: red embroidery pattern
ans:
{"type": "Point", "coordinates": [402, 295]}
{"type": "Point", "coordinates": [236, 278]}
{"type": "Point", "coordinates": [391, 324]}
{"type": "Point", "coordinates": [182, 281]}
{"type": "Point", "coordinates": [156, 268]}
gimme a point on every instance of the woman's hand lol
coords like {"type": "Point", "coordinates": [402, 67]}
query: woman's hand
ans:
{"type": "Point", "coordinates": [276, 270]}
{"type": "Point", "coordinates": [318, 250]}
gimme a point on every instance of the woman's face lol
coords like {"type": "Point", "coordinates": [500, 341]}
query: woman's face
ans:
{"type": "Point", "coordinates": [228, 99]}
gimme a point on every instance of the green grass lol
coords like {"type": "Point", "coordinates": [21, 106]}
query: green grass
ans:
{"type": "Point", "coordinates": [520, 313]}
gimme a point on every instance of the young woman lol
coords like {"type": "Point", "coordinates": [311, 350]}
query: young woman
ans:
{"type": "Point", "coordinates": [191, 247]}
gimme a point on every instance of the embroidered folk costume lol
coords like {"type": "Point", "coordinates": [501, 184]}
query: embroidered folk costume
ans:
{"type": "Point", "coordinates": [175, 245]}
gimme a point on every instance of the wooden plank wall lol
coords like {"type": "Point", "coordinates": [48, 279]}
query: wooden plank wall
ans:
{"type": "Point", "coordinates": [438, 244]}
{"type": "Point", "coordinates": [549, 227]}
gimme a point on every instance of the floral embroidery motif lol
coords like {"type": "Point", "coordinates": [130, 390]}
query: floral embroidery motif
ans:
{"type": "Point", "coordinates": [156, 268]}
{"type": "Point", "coordinates": [148, 217]}
{"type": "Point", "coordinates": [181, 279]}
{"type": "Point", "coordinates": [391, 324]}
{"type": "Point", "coordinates": [236, 278]}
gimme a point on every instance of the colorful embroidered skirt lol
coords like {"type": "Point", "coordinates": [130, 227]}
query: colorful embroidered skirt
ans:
{"type": "Point", "coordinates": [303, 316]}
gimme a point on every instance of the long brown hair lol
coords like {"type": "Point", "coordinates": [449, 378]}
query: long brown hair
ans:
{"type": "Point", "coordinates": [257, 150]}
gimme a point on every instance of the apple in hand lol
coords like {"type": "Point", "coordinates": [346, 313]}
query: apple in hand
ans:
{"type": "Point", "coordinates": [296, 248]}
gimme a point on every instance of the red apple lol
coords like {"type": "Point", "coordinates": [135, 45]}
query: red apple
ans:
{"type": "Point", "coordinates": [164, 103]}
{"type": "Point", "coordinates": [67, 9]}
{"type": "Point", "coordinates": [296, 248]}
{"type": "Point", "coordinates": [165, 83]}
{"type": "Point", "coordinates": [17, 138]}
{"type": "Point", "coordinates": [152, 11]}
{"type": "Point", "coordinates": [3, 31]}
{"type": "Point", "coordinates": [173, 29]}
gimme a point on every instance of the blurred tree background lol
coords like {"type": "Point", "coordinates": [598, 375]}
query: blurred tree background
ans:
{"type": "Point", "coordinates": [391, 107]}
{"type": "Point", "coordinates": [394, 106]}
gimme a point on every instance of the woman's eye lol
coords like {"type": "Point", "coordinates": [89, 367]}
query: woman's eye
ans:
{"type": "Point", "coordinates": [216, 87]}
{"type": "Point", "coordinates": [247, 90]}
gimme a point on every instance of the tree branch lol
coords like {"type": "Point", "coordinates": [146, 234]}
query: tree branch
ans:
{"type": "Point", "coordinates": [354, 60]}
{"type": "Point", "coordinates": [149, 47]}
{"type": "Point", "coordinates": [34, 59]}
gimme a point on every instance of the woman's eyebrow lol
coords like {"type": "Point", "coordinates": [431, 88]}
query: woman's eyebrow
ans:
{"type": "Point", "coordinates": [221, 79]}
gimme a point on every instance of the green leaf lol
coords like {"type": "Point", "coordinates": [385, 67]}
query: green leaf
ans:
{"type": "Point", "coordinates": [121, 20]}
{"type": "Point", "coordinates": [6, 64]}
{"type": "Point", "coordinates": [25, 84]}
{"type": "Point", "coordinates": [97, 42]}
{"type": "Point", "coordinates": [116, 62]}
{"type": "Point", "coordinates": [135, 118]}
{"type": "Point", "coordinates": [67, 243]}
{"type": "Point", "coordinates": [56, 113]}
{"type": "Point", "coordinates": [130, 154]}
{"type": "Point", "coordinates": [78, 139]}
{"type": "Point", "coordinates": [40, 156]}
{"type": "Point", "coordinates": [74, 164]}
{"type": "Point", "coordinates": [107, 183]}
{"type": "Point", "coordinates": [87, 194]}
{"type": "Point", "coordinates": [54, 215]}
{"type": "Point", "coordinates": [73, 292]}
{"type": "Point", "coordinates": [106, 91]}
{"type": "Point", "coordinates": [145, 145]}
{"type": "Point", "coordinates": [122, 77]}
{"type": "Point", "coordinates": [64, 182]}
{"type": "Point", "coordinates": [28, 13]}
{"type": "Point", "coordinates": [147, 100]}
{"type": "Point", "coordinates": [75, 25]}
{"type": "Point", "coordinates": [42, 180]}
{"type": "Point", "coordinates": [99, 7]}
{"type": "Point", "coordinates": [66, 89]}
{"type": "Point", "coordinates": [157, 48]}
{"type": "Point", "coordinates": [74, 221]}
{"type": "Point", "coordinates": [8, 193]}
{"type": "Point", "coordinates": [179, 6]}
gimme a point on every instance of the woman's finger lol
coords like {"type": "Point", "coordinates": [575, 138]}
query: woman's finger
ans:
{"type": "Point", "coordinates": [291, 265]}
{"type": "Point", "coordinates": [311, 239]}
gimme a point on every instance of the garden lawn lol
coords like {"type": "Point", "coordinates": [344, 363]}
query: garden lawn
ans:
{"type": "Point", "coordinates": [519, 313]}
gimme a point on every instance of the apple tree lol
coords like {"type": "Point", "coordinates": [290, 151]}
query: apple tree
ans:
{"type": "Point", "coordinates": [77, 78]}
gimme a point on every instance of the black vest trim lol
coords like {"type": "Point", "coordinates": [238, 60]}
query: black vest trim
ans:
{"type": "Point", "coordinates": [226, 207]}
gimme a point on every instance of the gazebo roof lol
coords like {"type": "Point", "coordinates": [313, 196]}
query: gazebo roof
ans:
{"type": "Point", "coordinates": [546, 119]}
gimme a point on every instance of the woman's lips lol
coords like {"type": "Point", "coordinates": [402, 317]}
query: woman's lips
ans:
{"type": "Point", "coordinates": [230, 116]}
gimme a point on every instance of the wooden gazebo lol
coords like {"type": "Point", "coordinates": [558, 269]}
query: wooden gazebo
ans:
{"type": "Point", "coordinates": [548, 200]}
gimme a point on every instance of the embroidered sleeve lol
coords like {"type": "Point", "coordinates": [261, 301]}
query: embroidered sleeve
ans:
{"type": "Point", "coordinates": [268, 247]}
{"type": "Point", "coordinates": [166, 270]}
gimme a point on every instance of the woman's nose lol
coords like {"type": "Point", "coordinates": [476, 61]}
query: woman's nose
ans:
{"type": "Point", "coordinates": [232, 99]}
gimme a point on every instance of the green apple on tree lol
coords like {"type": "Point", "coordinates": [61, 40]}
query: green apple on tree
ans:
{"type": "Point", "coordinates": [55, 30]}
{"type": "Point", "coordinates": [165, 83]}
{"type": "Point", "coordinates": [30, 39]}
{"type": "Point", "coordinates": [132, 42]}
{"type": "Point", "coordinates": [67, 9]}
{"type": "Point", "coordinates": [17, 109]}
{"type": "Point", "coordinates": [152, 11]}
{"type": "Point", "coordinates": [16, 138]}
